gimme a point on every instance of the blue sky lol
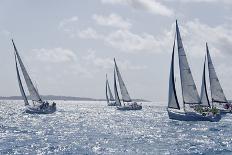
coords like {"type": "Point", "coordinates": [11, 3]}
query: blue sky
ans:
{"type": "Point", "coordinates": [69, 46]}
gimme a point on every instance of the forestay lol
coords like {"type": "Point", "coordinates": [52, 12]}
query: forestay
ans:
{"type": "Point", "coordinates": [189, 91]}
{"type": "Point", "coordinates": [215, 86]}
{"type": "Point", "coordinates": [124, 92]}
{"type": "Point", "coordinates": [33, 92]}
{"type": "Point", "coordinates": [204, 95]}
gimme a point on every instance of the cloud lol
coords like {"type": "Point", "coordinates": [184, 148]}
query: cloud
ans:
{"type": "Point", "coordinates": [89, 33]}
{"type": "Point", "coordinates": [130, 42]}
{"type": "Point", "coordinates": [152, 6]}
{"type": "Point", "coordinates": [56, 55]}
{"type": "Point", "coordinates": [69, 26]}
{"type": "Point", "coordinates": [112, 20]}
{"type": "Point", "coordinates": [196, 34]}
{"type": "Point", "coordinates": [65, 22]}
{"type": "Point", "coordinates": [202, 1]}
{"type": "Point", "coordinates": [107, 63]}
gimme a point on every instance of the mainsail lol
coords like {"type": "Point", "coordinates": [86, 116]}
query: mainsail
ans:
{"type": "Point", "coordinates": [217, 93]}
{"type": "Point", "coordinates": [33, 92]}
{"type": "Point", "coordinates": [109, 90]}
{"type": "Point", "coordinates": [20, 84]}
{"type": "Point", "coordinates": [117, 100]}
{"type": "Point", "coordinates": [189, 90]}
{"type": "Point", "coordinates": [172, 97]}
{"type": "Point", "coordinates": [204, 95]}
{"type": "Point", "coordinates": [124, 92]}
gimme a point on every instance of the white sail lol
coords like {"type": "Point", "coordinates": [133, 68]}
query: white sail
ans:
{"type": "Point", "coordinates": [107, 97]}
{"type": "Point", "coordinates": [204, 95]}
{"type": "Point", "coordinates": [189, 90]}
{"type": "Point", "coordinates": [33, 92]}
{"type": "Point", "coordinates": [124, 92]}
{"type": "Point", "coordinates": [217, 93]}
{"type": "Point", "coordinates": [20, 84]}
{"type": "Point", "coordinates": [172, 97]}
{"type": "Point", "coordinates": [117, 100]}
{"type": "Point", "coordinates": [109, 90]}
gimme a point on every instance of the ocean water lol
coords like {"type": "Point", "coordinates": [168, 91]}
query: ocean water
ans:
{"type": "Point", "coordinates": [93, 128]}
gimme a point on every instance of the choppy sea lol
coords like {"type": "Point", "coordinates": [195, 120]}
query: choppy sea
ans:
{"type": "Point", "coordinates": [90, 128]}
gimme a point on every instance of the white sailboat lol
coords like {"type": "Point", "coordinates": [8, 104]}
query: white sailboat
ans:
{"type": "Point", "coordinates": [217, 95]}
{"type": "Point", "coordinates": [128, 104]}
{"type": "Point", "coordinates": [109, 98]}
{"type": "Point", "coordinates": [204, 94]}
{"type": "Point", "coordinates": [189, 92]}
{"type": "Point", "coordinates": [39, 106]}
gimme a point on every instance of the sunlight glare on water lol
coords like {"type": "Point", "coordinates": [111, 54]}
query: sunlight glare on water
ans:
{"type": "Point", "coordinates": [81, 127]}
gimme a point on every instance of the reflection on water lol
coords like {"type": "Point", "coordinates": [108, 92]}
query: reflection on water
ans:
{"type": "Point", "coordinates": [94, 128]}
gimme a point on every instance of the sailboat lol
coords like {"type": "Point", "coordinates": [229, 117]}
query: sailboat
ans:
{"type": "Point", "coordinates": [128, 104]}
{"type": "Point", "coordinates": [190, 95]}
{"type": "Point", "coordinates": [204, 94]}
{"type": "Point", "coordinates": [110, 99]}
{"type": "Point", "coordinates": [39, 106]}
{"type": "Point", "coordinates": [217, 95]}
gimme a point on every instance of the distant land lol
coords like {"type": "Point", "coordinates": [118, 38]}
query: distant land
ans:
{"type": "Point", "coordinates": [65, 98]}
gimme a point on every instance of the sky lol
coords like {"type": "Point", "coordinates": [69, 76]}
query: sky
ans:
{"type": "Point", "coordinates": [68, 46]}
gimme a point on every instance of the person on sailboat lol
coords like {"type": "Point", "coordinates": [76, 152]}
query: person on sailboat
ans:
{"type": "Point", "coordinates": [53, 104]}
{"type": "Point", "coordinates": [46, 104]}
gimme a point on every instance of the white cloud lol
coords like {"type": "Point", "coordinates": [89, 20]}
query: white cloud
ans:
{"type": "Point", "coordinates": [130, 42]}
{"type": "Point", "coordinates": [67, 21]}
{"type": "Point", "coordinates": [202, 1]}
{"type": "Point", "coordinates": [108, 63]}
{"type": "Point", "coordinates": [56, 55]}
{"type": "Point", "coordinates": [89, 33]}
{"type": "Point", "coordinates": [153, 6]}
{"type": "Point", "coordinates": [196, 34]}
{"type": "Point", "coordinates": [69, 26]}
{"type": "Point", "coordinates": [112, 20]}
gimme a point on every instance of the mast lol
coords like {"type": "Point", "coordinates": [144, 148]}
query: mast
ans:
{"type": "Point", "coordinates": [172, 97]}
{"type": "Point", "coordinates": [33, 92]}
{"type": "Point", "coordinates": [217, 93]}
{"type": "Point", "coordinates": [124, 92]}
{"type": "Point", "coordinates": [204, 95]}
{"type": "Point", "coordinates": [189, 90]}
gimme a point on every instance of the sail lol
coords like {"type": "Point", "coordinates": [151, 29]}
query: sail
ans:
{"type": "Point", "coordinates": [108, 86]}
{"type": "Point", "coordinates": [189, 90]}
{"type": "Point", "coordinates": [204, 95]}
{"type": "Point", "coordinates": [20, 84]}
{"type": "Point", "coordinates": [172, 97]}
{"type": "Point", "coordinates": [217, 93]}
{"type": "Point", "coordinates": [117, 100]}
{"type": "Point", "coordinates": [107, 98]}
{"type": "Point", "coordinates": [124, 92]}
{"type": "Point", "coordinates": [33, 92]}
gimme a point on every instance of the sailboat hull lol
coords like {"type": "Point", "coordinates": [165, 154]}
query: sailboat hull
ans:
{"type": "Point", "coordinates": [37, 110]}
{"type": "Point", "coordinates": [112, 103]}
{"type": "Point", "coordinates": [225, 111]}
{"type": "Point", "coordinates": [192, 116]}
{"type": "Point", "coordinates": [133, 106]}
